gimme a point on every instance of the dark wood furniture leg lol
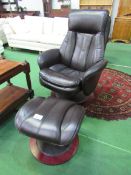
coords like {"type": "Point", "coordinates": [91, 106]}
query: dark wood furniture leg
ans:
{"type": "Point", "coordinates": [9, 82]}
{"type": "Point", "coordinates": [27, 73]}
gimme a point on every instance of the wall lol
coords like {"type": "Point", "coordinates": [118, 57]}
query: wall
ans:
{"type": "Point", "coordinates": [55, 4]}
{"type": "Point", "coordinates": [36, 5]}
{"type": "Point", "coordinates": [114, 13]}
{"type": "Point", "coordinates": [74, 4]}
{"type": "Point", "coordinates": [11, 7]}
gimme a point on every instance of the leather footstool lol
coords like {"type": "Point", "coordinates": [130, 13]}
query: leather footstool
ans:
{"type": "Point", "coordinates": [53, 125]}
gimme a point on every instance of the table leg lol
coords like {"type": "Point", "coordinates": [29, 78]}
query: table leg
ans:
{"type": "Point", "coordinates": [29, 85]}
{"type": "Point", "coordinates": [9, 83]}
{"type": "Point", "coordinates": [27, 73]}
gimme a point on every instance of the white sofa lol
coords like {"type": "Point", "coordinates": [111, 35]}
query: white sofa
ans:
{"type": "Point", "coordinates": [1, 47]}
{"type": "Point", "coordinates": [2, 34]}
{"type": "Point", "coordinates": [36, 33]}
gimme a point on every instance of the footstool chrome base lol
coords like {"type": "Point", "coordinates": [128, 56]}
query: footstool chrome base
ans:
{"type": "Point", "coordinates": [53, 154]}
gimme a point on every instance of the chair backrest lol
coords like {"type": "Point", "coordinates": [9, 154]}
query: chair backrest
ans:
{"type": "Point", "coordinates": [86, 38]}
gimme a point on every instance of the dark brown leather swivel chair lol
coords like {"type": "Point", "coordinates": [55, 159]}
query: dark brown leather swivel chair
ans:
{"type": "Point", "coordinates": [74, 70]}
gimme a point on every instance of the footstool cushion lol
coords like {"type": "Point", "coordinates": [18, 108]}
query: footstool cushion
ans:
{"type": "Point", "coordinates": [52, 120]}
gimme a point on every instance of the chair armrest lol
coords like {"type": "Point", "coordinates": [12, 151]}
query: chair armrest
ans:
{"type": "Point", "coordinates": [92, 76]}
{"type": "Point", "coordinates": [49, 58]}
{"type": "Point", "coordinates": [93, 70]}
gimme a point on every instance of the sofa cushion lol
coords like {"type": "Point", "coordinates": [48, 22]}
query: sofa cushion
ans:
{"type": "Point", "coordinates": [2, 21]}
{"type": "Point", "coordinates": [34, 23]}
{"type": "Point", "coordinates": [60, 26]}
{"type": "Point", "coordinates": [45, 39]}
{"type": "Point", "coordinates": [25, 37]}
{"type": "Point", "coordinates": [48, 25]}
{"type": "Point", "coordinates": [18, 25]}
{"type": "Point", "coordinates": [7, 29]}
{"type": "Point", "coordinates": [51, 39]}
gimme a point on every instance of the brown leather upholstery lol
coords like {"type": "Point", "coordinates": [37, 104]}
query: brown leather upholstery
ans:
{"type": "Point", "coordinates": [60, 122]}
{"type": "Point", "coordinates": [77, 65]}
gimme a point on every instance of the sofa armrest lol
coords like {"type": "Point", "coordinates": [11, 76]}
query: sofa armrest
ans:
{"type": "Point", "coordinates": [7, 30]}
{"type": "Point", "coordinates": [92, 76]}
{"type": "Point", "coordinates": [49, 58]}
{"type": "Point", "coordinates": [1, 43]}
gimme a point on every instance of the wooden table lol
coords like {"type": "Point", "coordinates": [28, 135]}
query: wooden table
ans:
{"type": "Point", "coordinates": [12, 96]}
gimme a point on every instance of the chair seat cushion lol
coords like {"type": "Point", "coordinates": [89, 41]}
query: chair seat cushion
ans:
{"type": "Point", "coordinates": [62, 76]}
{"type": "Point", "coordinates": [52, 120]}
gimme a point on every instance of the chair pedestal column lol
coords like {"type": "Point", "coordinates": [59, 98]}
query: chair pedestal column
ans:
{"type": "Point", "coordinates": [78, 98]}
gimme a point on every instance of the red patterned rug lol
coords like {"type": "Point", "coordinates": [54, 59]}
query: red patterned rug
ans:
{"type": "Point", "coordinates": [112, 98]}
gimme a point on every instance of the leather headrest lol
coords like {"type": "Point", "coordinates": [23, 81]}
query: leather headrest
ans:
{"type": "Point", "coordinates": [88, 21]}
